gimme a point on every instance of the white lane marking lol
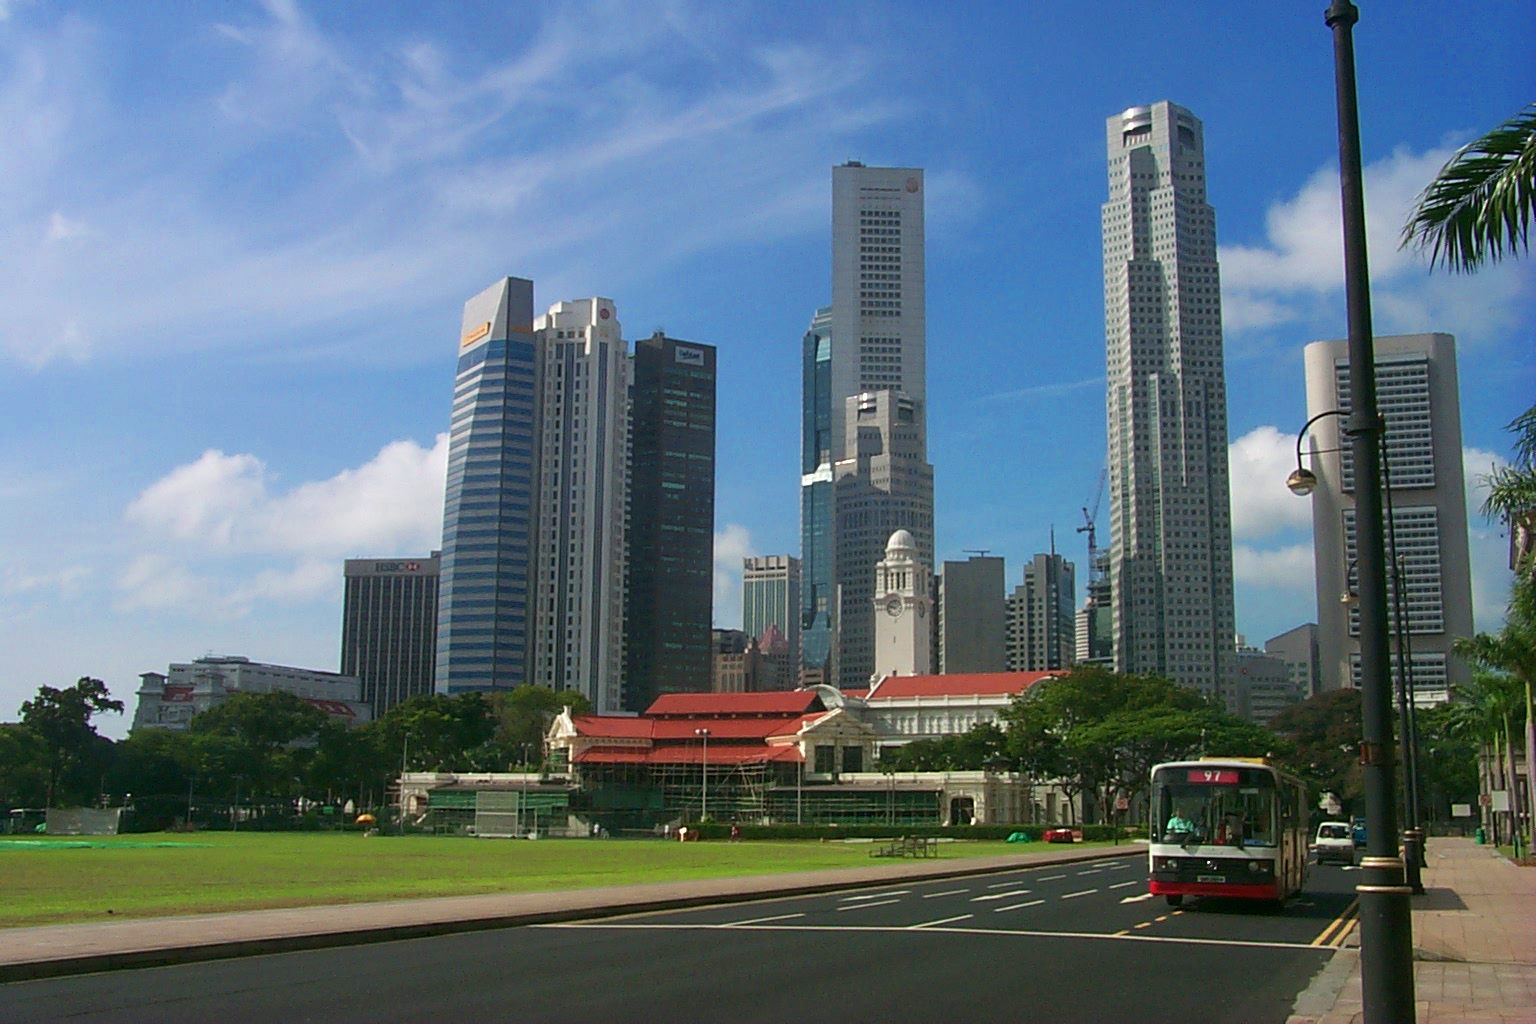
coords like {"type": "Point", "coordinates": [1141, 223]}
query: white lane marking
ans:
{"type": "Point", "coordinates": [1122, 885]}
{"type": "Point", "coordinates": [1075, 895]}
{"type": "Point", "coordinates": [1051, 878]}
{"type": "Point", "coordinates": [762, 920]}
{"type": "Point", "coordinates": [866, 906]}
{"type": "Point", "coordinates": [1137, 899]}
{"type": "Point", "coordinates": [1003, 885]}
{"type": "Point", "coordinates": [999, 895]}
{"type": "Point", "coordinates": [1093, 871]}
{"type": "Point", "coordinates": [1117, 866]}
{"type": "Point", "coordinates": [934, 924]}
{"type": "Point", "coordinates": [633, 926]}
{"type": "Point", "coordinates": [1019, 906]}
{"type": "Point", "coordinates": [877, 895]}
{"type": "Point", "coordinates": [946, 892]}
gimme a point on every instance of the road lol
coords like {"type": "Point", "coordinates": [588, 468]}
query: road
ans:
{"type": "Point", "coordinates": [1080, 942]}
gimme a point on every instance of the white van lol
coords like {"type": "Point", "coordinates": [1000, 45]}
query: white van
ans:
{"type": "Point", "coordinates": [1334, 843]}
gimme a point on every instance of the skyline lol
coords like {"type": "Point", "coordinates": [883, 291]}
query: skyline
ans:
{"type": "Point", "coordinates": [229, 346]}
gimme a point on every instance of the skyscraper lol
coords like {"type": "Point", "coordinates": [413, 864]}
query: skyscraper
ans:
{"type": "Point", "coordinates": [770, 599]}
{"type": "Point", "coordinates": [876, 328]}
{"type": "Point", "coordinates": [973, 635]}
{"type": "Point", "coordinates": [818, 587]}
{"type": "Point", "coordinates": [1041, 631]}
{"type": "Point", "coordinates": [483, 606]}
{"type": "Point", "coordinates": [1170, 511]}
{"type": "Point", "coordinates": [671, 520]}
{"type": "Point", "coordinates": [389, 627]}
{"type": "Point", "coordinates": [884, 484]}
{"type": "Point", "coordinates": [1417, 395]}
{"type": "Point", "coordinates": [579, 592]}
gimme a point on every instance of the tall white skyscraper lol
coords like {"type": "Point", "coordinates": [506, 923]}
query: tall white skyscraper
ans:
{"type": "Point", "coordinates": [1170, 513]}
{"type": "Point", "coordinates": [876, 389]}
{"type": "Point", "coordinates": [578, 596]}
{"type": "Point", "coordinates": [1417, 395]}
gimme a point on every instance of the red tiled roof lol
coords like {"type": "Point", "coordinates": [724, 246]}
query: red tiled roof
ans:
{"type": "Point", "coordinates": [724, 728]}
{"type": "Point", "coordinates": [773, 702]}
{"type": "Point", "coordinates": [967, 684]}
{"type": "Point", "coordinates": [612, 725]}
{"type": "Point", "coordinates": [690, 753]}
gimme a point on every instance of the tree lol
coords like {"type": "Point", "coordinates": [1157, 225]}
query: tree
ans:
{"type": "Point", "coordinates": [1323, 737]}
{"type": "Point", "coordinates": [1099, 732]}
{"type": "Point", "coordinates": [1512, 492]}
{"type": "Point", "coordinates": [23, 767]}
{"type": "Point", "coordinates": [974, 750]}
{"type": "Point", "coordinates": [1481, 202]}
{"type": "Point", "coordinates": [262, 731]}
{"type": "Point", "coordinates": [523, 716]}
{"type": "Point", "coordinates": [437, 732]}
{"type": "Point", "coordinates": [61, 719]}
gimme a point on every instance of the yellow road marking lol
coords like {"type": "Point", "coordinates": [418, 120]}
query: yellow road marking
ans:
{"type": "Point", "coordinates": [1339, 926]}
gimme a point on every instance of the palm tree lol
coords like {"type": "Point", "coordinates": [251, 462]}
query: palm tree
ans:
{"type": "Point", "coordinates": [1481, 202]}
{"type": "Point", "coordinates": [1512, 492]}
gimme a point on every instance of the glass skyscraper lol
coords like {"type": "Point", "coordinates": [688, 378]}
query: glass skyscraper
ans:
{"type": "Point", "coordinates": [483, 605]}
{"type": "Point", "coordinates": [818, 574]}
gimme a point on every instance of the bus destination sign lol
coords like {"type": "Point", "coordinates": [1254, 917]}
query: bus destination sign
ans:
{"type": "Point", "coordinates": [1213, 776]}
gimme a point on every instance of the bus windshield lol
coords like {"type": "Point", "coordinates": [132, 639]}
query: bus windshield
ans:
{"type": "Point", "coordinates": [1223, 806]}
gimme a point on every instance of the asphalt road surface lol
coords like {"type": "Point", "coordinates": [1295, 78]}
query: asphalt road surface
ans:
{"type": "Point", "coordinates": [1081, 942]}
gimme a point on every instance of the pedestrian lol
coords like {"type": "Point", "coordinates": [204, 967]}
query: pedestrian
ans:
{"type": "Point", "coordinates": [735, 833]}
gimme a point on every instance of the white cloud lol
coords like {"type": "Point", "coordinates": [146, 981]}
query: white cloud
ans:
{"type": "Point", "coordinates": [1259, 462]}
{"type": "Point", "coordinates": [1288, 569]}
{"type": "Point", "coordinates": [218, 525]}
{"type": "Point", "coordinates": [67, 581]}
{"type": "Point", "coordinates": [732, 544]}
{"type": "Point", "coordinates": [61, 228]}
{"type": "Point", "coordinates": [1488, 544]}
{"type": "Point", "coordinates": [1296, 275]}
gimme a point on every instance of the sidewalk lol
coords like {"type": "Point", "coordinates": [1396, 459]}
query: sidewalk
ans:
{"type": "Point", "coordinates": [1474, 945]}
{"type": "Point", "coordinates": [54, 950]}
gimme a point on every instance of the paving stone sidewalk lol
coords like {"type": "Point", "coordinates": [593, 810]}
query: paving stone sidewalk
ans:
{"type": "Point", "coordinates": [1474, 945]}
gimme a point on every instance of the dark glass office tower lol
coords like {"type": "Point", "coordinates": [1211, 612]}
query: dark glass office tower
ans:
{"type": "Point", "coordinates": [817, 586]}
{"type": "Point", "coordinates": [671, 520]}
{"type": "Point", "coordinates": [389, 627]}
{"type": "Point", "coordinates": [483, 627]}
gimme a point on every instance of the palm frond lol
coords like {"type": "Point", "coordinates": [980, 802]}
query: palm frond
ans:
{"type": "Point", "coordinates": [1481, 202]}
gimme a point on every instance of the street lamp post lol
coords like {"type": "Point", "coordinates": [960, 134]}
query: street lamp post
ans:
{"type": "Point", "coordinates": [703, 734]}
{"type": "Point", "coordinates": [1386, 924]}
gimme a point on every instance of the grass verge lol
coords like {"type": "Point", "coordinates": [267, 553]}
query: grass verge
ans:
{"type": "Point", "coordinates": [210, 872]}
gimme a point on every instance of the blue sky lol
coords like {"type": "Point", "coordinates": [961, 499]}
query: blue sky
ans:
{"type": "Point", "coordinates": [235, 239]}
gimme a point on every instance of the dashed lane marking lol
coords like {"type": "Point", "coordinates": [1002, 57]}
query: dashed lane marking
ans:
{"type": "Point", "coordinates": [1122, 885]}
{"type": "Point", "coordinates": [866, 906]}
{"type": "Point", "coordinates": [1018, 906]}
{"type": "Point", "coordinates": [877, 895]}
{"type": "Point", "coordinates": [762, 920]}
{"type": "Point", "coordinates": [1091, 871]}
{"type": "Point", "coordinates": [1136, 899]}
{"type": "Point", "coordinates": [1075, 895]}
{"type": "Point", "coordinates": [999, 895]}
{"type": "Point", "coordinates": [1003, 885]}
{"type": "Point", "coordinates": [946, 892]}
{"type": "Point", "coordinates": [943, 920]}
{"type": "Point", "coordinates": [1051, 878]}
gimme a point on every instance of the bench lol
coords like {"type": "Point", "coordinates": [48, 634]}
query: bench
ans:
{"type": "Point", "coordinates": [908, 846]}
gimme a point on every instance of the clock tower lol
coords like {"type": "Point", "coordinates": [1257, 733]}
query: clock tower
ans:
{"type": "Point", "coordinates": [903, 629]}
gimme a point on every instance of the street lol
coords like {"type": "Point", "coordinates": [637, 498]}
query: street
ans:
{"type": "Point", "coordinates": [1079, 942]}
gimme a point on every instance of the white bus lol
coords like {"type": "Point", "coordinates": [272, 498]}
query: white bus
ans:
{"type": "Point", "coordinates": [1226, 826]}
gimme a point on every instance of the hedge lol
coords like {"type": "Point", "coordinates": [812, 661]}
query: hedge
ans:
{"type": "Point", "coordinates": [1091, 833]}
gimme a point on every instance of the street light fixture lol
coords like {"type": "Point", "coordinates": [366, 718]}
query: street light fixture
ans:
{"type": "Point", "coordinates": [703, 734]}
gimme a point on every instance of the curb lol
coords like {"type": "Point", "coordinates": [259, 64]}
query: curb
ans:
{"type": "Point", "coordinates": [93, 963]}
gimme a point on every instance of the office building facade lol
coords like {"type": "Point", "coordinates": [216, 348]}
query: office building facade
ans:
{"type": "Point", "coordinates": [1424, 509]}
{"type": "Point", "coordinates": [671, 520]}
{"type": "Point", "coordinates": [973, 632]}
{"type": "Point", "coordinates": [484, 606]}
{"type": "Point", "coordinates": [1170, 513]}
{"type": "Point", "coordinates": [1298, 648]}
{"type": "Point", "coordinates": [579, 591]}
{"type": "Point", "coordinates": [1042, 635]}
{"type": "Point", "coordinates": [884, 485]}
{"type": "Point", "coordinates": [771, 605]}
{"type": "Point", "coordinates": [818, 579]}
{"type": "Point", "coordinates": [389, 627]}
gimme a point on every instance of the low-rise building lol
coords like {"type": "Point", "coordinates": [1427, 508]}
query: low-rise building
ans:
{"type": "Point", "coordinates": [170, 700]}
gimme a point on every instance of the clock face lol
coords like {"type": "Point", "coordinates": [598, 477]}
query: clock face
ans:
{"type": "Point", "coordinates": [893, 607]}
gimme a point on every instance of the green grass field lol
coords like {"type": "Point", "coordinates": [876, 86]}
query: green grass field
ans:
{"type": "Point", "coordinates": [159, 875]}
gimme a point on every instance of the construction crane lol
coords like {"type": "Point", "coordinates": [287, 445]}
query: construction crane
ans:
{"type": "Point", "coordinates": [1089, 527]}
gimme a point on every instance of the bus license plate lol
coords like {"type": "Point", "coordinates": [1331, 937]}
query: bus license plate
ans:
{"type": "Point", "coordinates": [1210, 878]}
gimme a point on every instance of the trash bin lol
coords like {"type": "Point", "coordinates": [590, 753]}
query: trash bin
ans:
{"type": "Point", "coordinates": [1479, 836]}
